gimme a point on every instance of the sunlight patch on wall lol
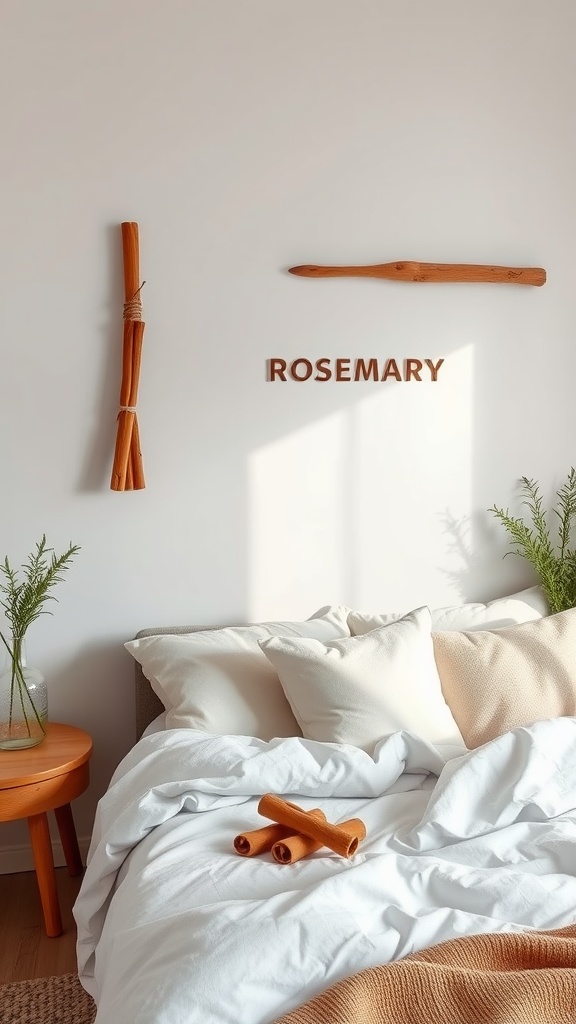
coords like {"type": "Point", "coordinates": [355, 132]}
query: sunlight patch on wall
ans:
{"type": "Point", "coordinates": [413, 472]}
{"type": "Point", "coordinates": [296, 492]}
{"type": "Point", "coordinates": [354, 508]}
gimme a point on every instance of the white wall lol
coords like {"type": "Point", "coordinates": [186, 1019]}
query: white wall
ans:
{"type": "Point", "coordinates": [245, 138]}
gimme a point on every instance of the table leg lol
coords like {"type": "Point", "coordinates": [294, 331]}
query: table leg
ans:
{"type": "Point", "coordinates": [44, 863]}
{"type": "Point", "coordinates": [65, 823]}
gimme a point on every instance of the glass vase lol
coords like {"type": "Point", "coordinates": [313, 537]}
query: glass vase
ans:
{"type": "Point", "coordinates": [23, 700]}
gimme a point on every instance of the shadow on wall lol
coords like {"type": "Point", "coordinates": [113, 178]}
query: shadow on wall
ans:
{"type": "Point", "coordinates": [467, 576]}
{"type": "Point", "coordinates": [81, 684]}
{"type": "Point", "coordinates": [468, 539]}
{"type": "Point", "coordinates": [95, 473]}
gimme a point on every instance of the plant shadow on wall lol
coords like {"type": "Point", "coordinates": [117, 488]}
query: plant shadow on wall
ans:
{"type": "Point", "coordinates": [95, 472]}
{"type": "Point", "coordinates": [467, 535]}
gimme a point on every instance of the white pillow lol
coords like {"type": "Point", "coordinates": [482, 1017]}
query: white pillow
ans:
{"type": "Point", "coordinates": [525, 606]}
{"type": "Point", "coordinates": [359, 689]}
{"type": "Point", "coordinates": [220, 681]}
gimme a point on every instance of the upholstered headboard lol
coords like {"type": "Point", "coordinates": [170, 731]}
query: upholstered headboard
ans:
{"type": "Point", "coordinates": [148, 705]}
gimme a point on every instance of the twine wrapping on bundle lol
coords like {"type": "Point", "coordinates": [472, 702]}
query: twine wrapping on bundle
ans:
{"type": "Point", "coordinates": [133, 307]}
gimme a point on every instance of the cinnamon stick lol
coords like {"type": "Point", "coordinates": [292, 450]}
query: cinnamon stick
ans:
{"type": "Point", "coordinates": [285, 813]}
{"type": "Point", "coordinates": [137, 338]}
{"type": "Point", "coordinates": [136, 458]}
{"type": "Point", "coordinates": [293, 848]}
{"type": "Point", "coordinates": [260, 840]}
{"type": "Point", "coordinates": [122, 450]}
{"type": "Point", "coordinates": [131, 254]}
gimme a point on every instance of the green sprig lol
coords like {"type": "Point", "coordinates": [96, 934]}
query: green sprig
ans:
{"type": "Point", "coordinates": [554, 563]}
{"type": "Point", "coordinates": [25, 598]}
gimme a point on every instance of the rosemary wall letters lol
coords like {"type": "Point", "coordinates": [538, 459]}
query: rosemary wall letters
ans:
{"type": "Point", "coordinates": [348, 370]}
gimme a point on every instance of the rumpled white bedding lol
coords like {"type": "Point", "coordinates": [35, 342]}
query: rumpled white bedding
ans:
{"type": "Point", "coordinates": [173, 926]}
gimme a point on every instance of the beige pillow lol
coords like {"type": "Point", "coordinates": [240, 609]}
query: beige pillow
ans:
{"type": "Point", "coordinates": [496, 680]}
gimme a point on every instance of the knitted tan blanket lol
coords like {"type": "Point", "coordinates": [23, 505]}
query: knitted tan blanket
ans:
{"type": "Point", "coordinates": [511, 978]}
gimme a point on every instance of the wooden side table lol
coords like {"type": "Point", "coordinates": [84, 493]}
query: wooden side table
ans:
{"type": "Point", "coordinates": [44, 778]}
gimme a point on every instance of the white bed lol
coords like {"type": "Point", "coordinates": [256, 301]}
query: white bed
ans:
{"type": "Point", "coordinates": [174, 926]}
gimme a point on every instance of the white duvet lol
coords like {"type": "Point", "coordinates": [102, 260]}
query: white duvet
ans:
{"type": "Point", "coordinates": [173, 926]}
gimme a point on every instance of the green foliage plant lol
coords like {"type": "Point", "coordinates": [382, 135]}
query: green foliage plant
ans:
{"type": "Point", "coordinates": [548, 551]}
{"type": "Point", "coordinates": [23, 602]}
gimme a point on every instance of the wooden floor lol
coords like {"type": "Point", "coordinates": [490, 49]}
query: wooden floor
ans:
{"type": "Point", "coordinates": [25, 949]}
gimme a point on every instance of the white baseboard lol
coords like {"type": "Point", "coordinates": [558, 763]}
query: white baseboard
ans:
{"type": "Point", "coordinates": [19, 858]}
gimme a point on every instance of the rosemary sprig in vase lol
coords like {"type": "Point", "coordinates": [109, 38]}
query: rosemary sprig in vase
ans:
{"type": "Point", "coordinates": [554, 561]}
{"type": "Point", "coordinates": [23, 705]}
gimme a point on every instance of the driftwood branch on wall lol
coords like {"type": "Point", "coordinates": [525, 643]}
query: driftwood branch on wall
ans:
{"type": "Point", "coordinates": [409, 270]}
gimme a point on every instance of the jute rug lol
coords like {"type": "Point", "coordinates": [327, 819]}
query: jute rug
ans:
{"type": "Point", "coordinates": [56, 1000]}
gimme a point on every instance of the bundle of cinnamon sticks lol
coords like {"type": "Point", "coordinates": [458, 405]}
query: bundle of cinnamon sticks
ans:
{"type": "Point", "coordinates": [127, 469]}
{"type": "Point", "coordinates": [297, 833]}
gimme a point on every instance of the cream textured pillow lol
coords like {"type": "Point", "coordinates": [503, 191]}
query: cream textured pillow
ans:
{"type": "Point", "coordinates": [220, 681]}
{"type": "Point", "coordinates": [497, 680]}
{"type": "Point", "coordinates": [359, 689]}
{"type": "Point", "coordinates": [504, 611]}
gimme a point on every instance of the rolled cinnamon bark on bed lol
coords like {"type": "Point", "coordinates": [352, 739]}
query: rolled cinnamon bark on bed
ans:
{"type": "Point", "coordinates": [294, 848]}
{"type": "Point", "coordinates": [260, 840]}
{"type": "Point", "coordinates": [285, 813]}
